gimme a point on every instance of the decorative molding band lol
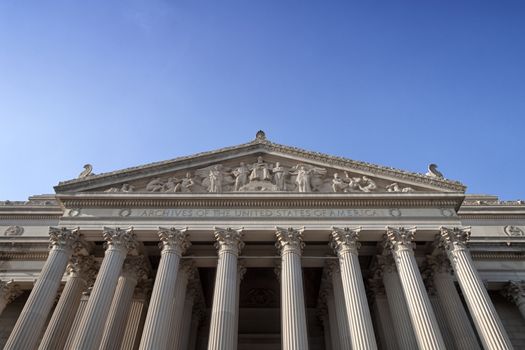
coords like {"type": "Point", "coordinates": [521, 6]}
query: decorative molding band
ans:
{"type": "Point", "coordinates": [232, 202]}
{"type": "Point", "coordinates": [35, 256]}
{"type": "Point", "coordinates": [498, 255]}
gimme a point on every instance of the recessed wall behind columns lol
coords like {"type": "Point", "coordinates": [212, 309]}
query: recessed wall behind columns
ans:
{"type": "Point", "coordinates": [512, 319]}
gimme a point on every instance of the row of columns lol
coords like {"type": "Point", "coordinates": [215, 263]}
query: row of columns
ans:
{"type": "Point", "coordinates": [112, 291]}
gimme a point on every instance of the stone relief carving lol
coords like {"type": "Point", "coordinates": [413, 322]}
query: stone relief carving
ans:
{"type": "Point", "coordinates": [123, 188]}
{"type": "Point", "coordinates": [262, 176]}
{"type": "Point", "coordinates": [394, 187]}
{"type": "Point", "coordinates": [14, 231]}
{"type": "Point", "coordinates": [171, 184]}
{"type": "Point", "coordinates": [513, 231]}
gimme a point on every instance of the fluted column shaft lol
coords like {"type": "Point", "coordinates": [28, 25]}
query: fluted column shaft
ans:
{"type": "Point", "coordinates": [332, 317]}
{"type": "Point", "coordinates": [487, 322]}
{"type": "Point", "coordinates": [82, 270]}
{"type": "Point", "coordinates": [91, 327]}
{"type": "Point", "coordinates": [325, 320]}
{"type": "Point", "coordinates": [194, 330]}
{"type": "Point", "coordinates": [453, 309]}
{"type": "Point", "coordinates": [224, 309]}
{"type": "Point", "coordinates": [426, 327]}
{"type": "Point", "coordinates": [133, 271]}
{"type": "Point", "coordinates": [345, 243]}
{"type": "Point", "coordinates": [177, 307]}
{"type": "Point", "coordinates": [406, 339]}
{"type": "Point", "coordinates": [384, 321]}
{"type": "Point", "coordinates": [183, 340]}
{"type": "Point", "coordinates": [345, 338]}
{"type": "Point", "coordinates": [156, 327]}
{"type": "Point", "coordinates": [293, 314]}
{"type": "Point", "coordinates": [30, 323]}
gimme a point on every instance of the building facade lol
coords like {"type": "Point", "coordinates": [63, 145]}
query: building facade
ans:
{"type": "Point", "coordinates": [262, 246]}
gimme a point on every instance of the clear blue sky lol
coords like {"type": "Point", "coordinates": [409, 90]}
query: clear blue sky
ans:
{"type": "Point", "coordinates": [397, 83]}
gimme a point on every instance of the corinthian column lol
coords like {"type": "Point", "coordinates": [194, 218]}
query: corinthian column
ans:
{"type": "Point", "coordinates": [224, 310]}
{"type": "Point", "coordinates": [426, 327]}
{"type": "Point", "coordinates": [343, 324]}
{"type": "Point", "coordinates": [489, 326]}
{"type": "Point", "coordinates": [118, 244]}
{"type": "Point", "coordinates": [453, 309]}
{"type": "Point", "coordinates": [186, 272]}
{"type": "Point", "coordinates": [515, 293]}
{"type": "Point", "coordinates": [402, 325]}
{"type": "Point", "coordinates": [135, 270]}
{"type": "Point", "coordinates": [293, 314]}
{"type": "Point", "coordinates": [174, 243]}
{"type": "Point", "coordinates": [82, 273]}
{"type": "Point", "coordinates": [29, 326]}
{"type": "Point", "coordinates": [344, 242]}
{"type": "Point", "coordinates": [9, 291]}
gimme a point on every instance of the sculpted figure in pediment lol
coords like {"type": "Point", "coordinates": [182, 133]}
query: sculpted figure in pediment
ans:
{"type": "Point", "coordinates": [394, 187]}
{"type": "Point", "coordinates": [155, 185]}
{"type": "Point", "coordinates": [307, 177]}
{"type": "Point", "coordinates": [241, 176]}
{"type": "Point", "coordinates": [125, 188]}
{"type": "Point", "coordinates": [279, 175]}
{"type": "Point", "coordinates": [260, 171]}
{"type": "Point", "coordinates": [339, 184]}
{"type": "Point", "coordinates": [215, 178]}
{"type": "Point", "coordinates": [187, 184]}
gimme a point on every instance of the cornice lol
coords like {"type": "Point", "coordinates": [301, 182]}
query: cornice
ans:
{"type": "Point", "coordinates": [263, 200]}
{"type": "Point", "coordinates": [262, 145]}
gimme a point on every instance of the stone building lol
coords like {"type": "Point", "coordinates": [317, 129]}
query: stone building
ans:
{"type": "Point", "coordinates": [262, 246]}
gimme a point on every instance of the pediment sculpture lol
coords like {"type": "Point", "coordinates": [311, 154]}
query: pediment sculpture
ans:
{"type": "Point", "coordinates": [262, 176]}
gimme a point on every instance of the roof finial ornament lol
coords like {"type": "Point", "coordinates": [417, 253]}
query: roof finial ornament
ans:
{"type": "Point", "coordinates": [260, 135]}
{"type": "Point", "coordinates": [88, 169]}
{"type": "Point", "coordinates": [433, 172]}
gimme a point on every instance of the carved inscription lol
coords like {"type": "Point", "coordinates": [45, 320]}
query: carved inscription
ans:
{"type": "Point", "coordinates": [260, 213]}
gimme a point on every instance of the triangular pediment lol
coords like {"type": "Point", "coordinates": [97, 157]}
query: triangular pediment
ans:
{"type": "Point", "coordinates": [259, 166]}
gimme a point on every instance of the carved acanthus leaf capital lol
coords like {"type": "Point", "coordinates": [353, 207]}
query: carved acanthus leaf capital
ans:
{"type": "Point", "coordinates": [514, 292]}
{"type": "Point", "coordinates": [9, 291]}
{"type": "Point", "coordinates": [120, 239]}
{"type": "Point", "coordinates": [454, 238]}
{"type": "Point", "coordinates": [241, 269]}
{"type": "Point", "coordinates": [345, 240]}
{"type": "Point", "coordinates": [399, 238]}
{"type": "Point", "coordinates": [173, 239]}
{"type": "Point", "coordinates": [439, 263]}
{"type": "Point", "coordinates": [385, 263]}
{"type": "Point", "coordinates": [229, 239]}
{"type": "Point", "coordinates": [65, 238]}
{"type": "Point", "coordinates": [84, 267]}
{"type": "Point", "coordinates": [137, 268]}
{"type": "Point", "coordinates": [289, 238]}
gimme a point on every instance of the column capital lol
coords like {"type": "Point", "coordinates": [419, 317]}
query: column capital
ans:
{"type": "Point", "coordinates": [229, 240]}
{"type": "Point", "coordinates": [9, 291]}
{"type": "Point", "coordinates": [174, 240]}
{"type": "Point", "coordinates": [438, 263]}
{"type": "Point", "coordinates": [514, 291]}
{"type": "Point", "coordinates": [399, 238]}
{"type": "Point", "coordinates": [136, 268]}
{"type": "Point", "coordinates": [84, 267]}
{"type": "Point", "coordinates": [345, 240]}
{"type": "Point", "coordinates": [120, 239]}
{"type": "Point", "coordinates": [289, 239]}
{"type": "Point", "coordinates": [455, 238]}
{"type": "Point", "coordinates": [385, 263]}
{"type": "Point", "coordinates": [64, 238]}
{"type": "Point", "coordinates": [376, 287]}
{"type": "Point", "coordinates": [241, 269]}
